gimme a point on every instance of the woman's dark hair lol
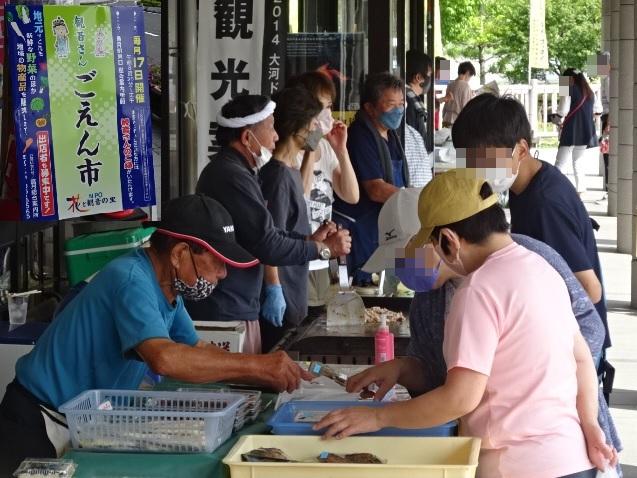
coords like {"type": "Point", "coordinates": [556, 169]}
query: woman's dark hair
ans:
{"type": "Point", "coordinates": [604, 119]}
{"type": "Point", "coordinates": [477, 228]}
{"type": "Point", "coordinates": [580, 80]}
{"type": "Point", "coordinates": [163, 243]}
{"type": "Point", "coordinates": [315, 82]}
{"type": "Point", "coordinates": [376, 84]}
{"type": "Point", "coordinates": [490, 121]}
{"type": "Point", "coordinates": [417, 62]}
{"type": "Point", "coordinates": [294, 111]}
{"type": "Point", "coordinates": [466, 67]}
{"type": "Point", "coordinates": [239, 107]}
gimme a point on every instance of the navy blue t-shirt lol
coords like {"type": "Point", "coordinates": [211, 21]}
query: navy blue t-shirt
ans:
{"type": "Point", "coordinates": [550, 210]}
{"type": "Point", "coordinates": [363, 152]}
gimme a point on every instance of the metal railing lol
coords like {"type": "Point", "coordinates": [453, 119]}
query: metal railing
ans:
{"type": "Point", "coordinates": [539, 101]}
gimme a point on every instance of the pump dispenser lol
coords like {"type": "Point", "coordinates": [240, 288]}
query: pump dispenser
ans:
{"type": "Point", "coordinates": [383, 342]}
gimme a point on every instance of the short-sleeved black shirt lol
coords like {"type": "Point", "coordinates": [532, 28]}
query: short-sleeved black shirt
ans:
{"type": "Point", "coordinates": [551, 211]}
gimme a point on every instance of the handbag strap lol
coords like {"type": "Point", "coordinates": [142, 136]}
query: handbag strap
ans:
{"type": "Point", "coordinates": [575, 110]}
{"type": "Point", "coordinates": [571, 113]}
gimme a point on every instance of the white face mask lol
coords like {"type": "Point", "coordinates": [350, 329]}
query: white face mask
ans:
{"type": "Point", "coordinates": [265, 154]}
{"type": "Point", "coordinates": [325, 121]}
{"type": "Point", "coordinates": [501, 179]}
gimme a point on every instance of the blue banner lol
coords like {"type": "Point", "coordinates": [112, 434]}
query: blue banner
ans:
{"type": "Point", "coordinates": [79, 83]}
{"type": "Point", "coordinates": [32, 112]}
{"type": "Point", "coordinates": [133, 107]}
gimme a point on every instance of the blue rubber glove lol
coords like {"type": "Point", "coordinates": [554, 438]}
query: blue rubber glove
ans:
{"type": "Point", "coordinates": [273, 306]}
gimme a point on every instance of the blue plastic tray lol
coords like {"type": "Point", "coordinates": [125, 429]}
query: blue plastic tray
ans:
{"type": "Point", "coordinates": [282, 422]}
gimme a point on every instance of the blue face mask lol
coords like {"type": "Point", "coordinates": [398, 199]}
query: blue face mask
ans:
{"type": "Point", "coordinates": [391, 119]}
{"type": "Point", "coordinates": [416, 278]}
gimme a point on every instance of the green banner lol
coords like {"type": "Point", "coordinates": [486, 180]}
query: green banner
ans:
{"type": "Point", "coordinates": [81, 72]}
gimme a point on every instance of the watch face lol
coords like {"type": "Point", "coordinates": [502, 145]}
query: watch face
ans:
{"type": "Point", "coordinates": [325, 254]}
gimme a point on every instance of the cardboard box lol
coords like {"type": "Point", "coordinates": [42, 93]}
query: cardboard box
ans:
{"type": "Point", "coordinates": [229, 336]}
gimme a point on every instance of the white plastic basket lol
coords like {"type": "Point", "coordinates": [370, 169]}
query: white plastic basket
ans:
{"type": "Point", "coordinates": [127, 420]}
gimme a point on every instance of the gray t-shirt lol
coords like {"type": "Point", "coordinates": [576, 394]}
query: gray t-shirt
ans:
{"type": "Point", "coordinates": [428, 313]}
{"type": "Point", "coordinates": [282, 188]}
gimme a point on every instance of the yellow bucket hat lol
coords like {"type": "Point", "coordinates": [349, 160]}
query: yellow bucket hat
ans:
{"type": "Point", "coordinates": [449, 197]}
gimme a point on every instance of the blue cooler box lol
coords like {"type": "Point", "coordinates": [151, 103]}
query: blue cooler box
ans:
{"type": "Point", "coordinates": [286, 420]}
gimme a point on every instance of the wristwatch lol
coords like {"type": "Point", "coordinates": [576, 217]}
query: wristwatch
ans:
{"type": "Point", "coordinates": [324, 252]}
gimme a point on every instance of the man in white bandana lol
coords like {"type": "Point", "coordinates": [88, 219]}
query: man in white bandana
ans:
{"type": "Point", "coordinates": [246, 133]}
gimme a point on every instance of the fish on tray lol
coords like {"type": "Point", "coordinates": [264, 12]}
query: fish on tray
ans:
{"type": "Point", "coordinates": [357, 458]}
{"type": "Point", "coordinates": [265, 455]}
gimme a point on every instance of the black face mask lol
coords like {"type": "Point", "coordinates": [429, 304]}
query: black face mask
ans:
{"type": "Point", "coordinates": [199, 291]}
{"type": "Point", "coordinates": [425, 85]}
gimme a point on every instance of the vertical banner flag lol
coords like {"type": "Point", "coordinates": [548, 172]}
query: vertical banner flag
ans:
{"type": "Point", "coordinates": [538, 45]}
{"type": "Point", "coordinates": [81, 109]}
{"type": "Point", "coordinates": [438, 51]}
{"type": "Point", "coordinates": [241, 50]}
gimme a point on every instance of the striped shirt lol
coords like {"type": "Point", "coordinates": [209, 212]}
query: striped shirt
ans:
{"type": "Point", "coordinates": [419, 162]}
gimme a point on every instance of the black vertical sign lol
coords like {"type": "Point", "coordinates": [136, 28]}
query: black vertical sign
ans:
{"type": "Point", "coordinates": [274, 46]}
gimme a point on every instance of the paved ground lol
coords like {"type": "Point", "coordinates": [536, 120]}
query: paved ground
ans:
{"type": "Point", "coordinates": [622, 319]}
{"type": "Point", "coordinates": [152, 24]}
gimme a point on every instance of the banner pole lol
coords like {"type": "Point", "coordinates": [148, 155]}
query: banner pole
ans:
{"type": "Point", "coordinates": [188, 95]}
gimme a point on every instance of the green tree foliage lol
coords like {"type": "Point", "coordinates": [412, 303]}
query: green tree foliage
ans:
{"type": "Point", "coordinates": [499, 29]}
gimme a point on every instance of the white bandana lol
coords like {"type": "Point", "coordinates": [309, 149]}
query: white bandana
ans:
{"type": "Point", "coordinates": [246, 120]}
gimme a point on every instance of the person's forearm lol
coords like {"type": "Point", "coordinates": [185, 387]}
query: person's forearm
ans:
{"type": "Point", "coordinates": [594, 291]}
{"type": "Point", "coordinates": [203, 364]}
{"type": "Point", "coordinates": [587, 387]}
{"type": "Point", "coordinates": [426, 411]}
{"type": "Point", "coordinates": [345, 183]}
{"type": "Point", "coordinates": [591, 284]}
{"type": "Point", "coordinates": [381, 191]}
{"type": "Point", "coordinates": [307, 172]}
{"type": "Point", "coordinates": [412, 375]}
{"type": "Point", "coordinates": [271, 275]}
{"type": "Point", "coordinates": [276, 247]}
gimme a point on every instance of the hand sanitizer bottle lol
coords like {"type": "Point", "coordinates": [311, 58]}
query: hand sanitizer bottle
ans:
{"type": "Point", "coordinates": [384, 343]}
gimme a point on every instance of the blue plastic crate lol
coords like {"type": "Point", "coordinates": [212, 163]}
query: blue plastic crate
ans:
{"type": "Point", "coordinates": [282, 422]}
{"type": "Point", "coordinates": [143, 421]}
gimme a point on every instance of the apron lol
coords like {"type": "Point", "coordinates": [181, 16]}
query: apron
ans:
{"type": "Point", "coordinates": [28, 428]}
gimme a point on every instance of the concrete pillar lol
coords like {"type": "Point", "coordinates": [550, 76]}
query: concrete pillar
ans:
{"type": "Point", "coordinates": [614, 108]}
{"type": "Point", "coordinates": [605, 80]}
{"type": "Point", "coordinates": [625, 130]}
{"type": "Point", "coordinates": [633, 295]}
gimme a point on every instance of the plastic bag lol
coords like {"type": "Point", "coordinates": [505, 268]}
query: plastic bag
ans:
{"type": "Point", "coordinates": [610, 472]}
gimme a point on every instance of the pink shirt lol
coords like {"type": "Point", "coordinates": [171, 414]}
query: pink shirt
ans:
{"type": "Point", "coordinates": [512, 321]}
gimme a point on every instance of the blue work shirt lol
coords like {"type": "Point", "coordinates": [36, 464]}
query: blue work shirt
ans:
{"type": "Point", "coordinates": [550, 210]}
{"type": "Point", "coordinates": [364, 154]}
{"type": "Point", "coordinates": [91, 343]}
